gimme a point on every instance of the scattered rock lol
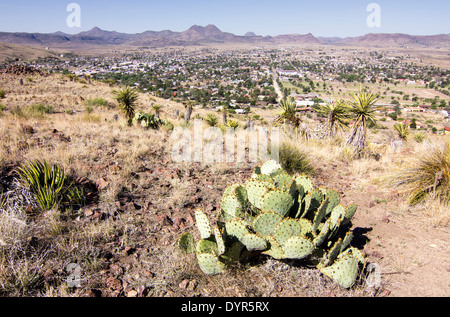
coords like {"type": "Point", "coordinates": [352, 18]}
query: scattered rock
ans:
{"type": "Point", "coordinates": [101, 183]}
{"type": "Point", "coordinates": [116, 269]}
{"type": "Point", "coordinates": [142, 291]}
{"type": "Point", "coordinates": [128, 250]}
{"type": "Point", "coordinates": [114, 284]}
{"type": "Point", "coordinates": [165, 220]}
{"type": "Point", "coordinates": [132, 293]}
{"type": "Point", "coordinates": [184, 284]}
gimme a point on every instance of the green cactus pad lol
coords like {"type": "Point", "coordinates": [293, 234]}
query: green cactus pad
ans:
{"type": "Point", "coordinates": [283, 181]}
{"type": "Point", "coordinates": [357, 254]}
{"type": "Point", "coordinates": [209, 263]}
{"type": "Point", "coordinates": [320, 214]}
{"type": "Point", "coordinates": [264, 177]}
{"type": "Point", "coordinates": [231, 207]}
{"type": "Point", "coordinates": [278, 201]}
{"type": "Point", "coordinates": [253, 242]}
{"type": "Point", "coordinates": [275, 249]}
{"type": "Point", "coordinates": [236, 228]}
{"type": "Point", "coordinates": [256, 189]}
{"type": "Point", "coordinates": [316, 199]}
{"type": "Point", "coordinates": [203, 224]}
{"type": "Point", "coordinates": [337, 215]}
{"type": "Point", "coordinates": [286, 229]}
{"type": "Point", "coordinates": [207, 246]}
{"type": "Point", "coordinates": [334, 252]}
{"type": "Point", "coordinates": [351, 210]}
{"type": "Point", "coordinates": [304, 206]}
{"type": "Point", "coordinates": [270, 167]}
{"type": "Point", "coordinates": [230, 189]}
{"type": "Point", "coordinates": [305, 182]}
{"type": "Point", "coordinates": [186, 243]}
{"type": "Point", "coordinates": [219, 240]}
{"type": "Point", "coordinates": [298, 248]}
{"type": "Point", "coordinates": [347, 240]}
{"type": "Point", "coordinates": [344, 270]}
{"type": "Point", "coordinates": [265, 223]}
{"type": "Point", "coordinates": [334, 199]}
{"type": "Point", "coordinates": [321, 237]}
{"type": "Point", "coordinates": [306, 227]}
{"type": "Point", "coordinates": [233, 253]}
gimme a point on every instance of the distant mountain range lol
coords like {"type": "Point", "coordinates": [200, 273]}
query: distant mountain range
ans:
{"type": "Point", "coordinates": [211, 34]}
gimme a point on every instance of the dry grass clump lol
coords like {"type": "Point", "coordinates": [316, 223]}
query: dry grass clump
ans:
{"type": "Point", "coordinates": [427, 175]}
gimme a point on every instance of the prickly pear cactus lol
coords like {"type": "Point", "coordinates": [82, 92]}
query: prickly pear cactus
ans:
{"type": "Point", "coordinates": [282, 216]}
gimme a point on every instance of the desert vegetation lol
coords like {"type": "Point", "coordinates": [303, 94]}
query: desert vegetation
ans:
{"type": "Point", "coordinates": [86, 178]}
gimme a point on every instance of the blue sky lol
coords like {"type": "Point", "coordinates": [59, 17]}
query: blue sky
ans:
{"type": "Point", "coordinates": [321, 17]}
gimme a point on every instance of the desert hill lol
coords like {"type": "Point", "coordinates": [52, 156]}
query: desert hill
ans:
{"type": "Point", "coordinates": [211, 34]}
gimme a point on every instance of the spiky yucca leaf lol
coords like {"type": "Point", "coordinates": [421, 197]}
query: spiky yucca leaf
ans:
{"type": "Point", "coordinates": [362, 108]}
{"type": "Point", "coordinates": [287, 111]}
{"type": "Point", "coordinates": [127, 98]}
{"type": "Point", "coordinates": [46, 182]}
{"type": "Point", "coordinates": [212, 120]}
{"type": "Point", "coordinates": [337, 114]}
{"type": "Point", "coordinates": [402, 130]}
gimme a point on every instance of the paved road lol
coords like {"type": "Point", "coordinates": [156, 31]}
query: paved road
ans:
{"type": "Point", "coordinates": [276, 86]}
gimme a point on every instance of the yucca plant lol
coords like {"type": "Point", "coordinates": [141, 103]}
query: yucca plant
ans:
{"type": "Point", "coordinates": [362, 109]}
{"type": "Point", "coordinates": [157, 109]}
{"type": "Point", "coordinates": [127, 98]}
{"type": "Point", "coordinates": [232, 123]}
{"type": "Point", "coordinates": [419, 137]}
{"type": "Point", "coordinates": [337, 114]}
{"type": "Point", "coordinates": [402, 131]}
{"type": "Point", "coordinates": [287, 111]}
{"type": "Point", "coordinates": [47, 183]}
{"type": "Point", "coordinates": [212, 120]}
{"type": "Point", "coordinates": [428, 174]}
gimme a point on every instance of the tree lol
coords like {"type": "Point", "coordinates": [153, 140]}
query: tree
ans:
{"type": "Point", "coordinates": [362, 108]}
{"type": "Point", "coordinates": [336, 113]}
{"type": "Point", "coordinates": [127, 98]}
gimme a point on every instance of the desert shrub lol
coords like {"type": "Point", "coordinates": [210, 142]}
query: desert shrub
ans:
{"type": "Point", "coordinates": [40, 109]}
{"type": "Point", "coordinates": [426, 175]}
{"type": "Point", "coordinates": [419, 137]}
{"type": "Point", "coordinates": [50, 186]}
{"type": "Point", "coordinates": [232, 123]}
{"type": "Point", "coordinates": [127, 98]}
{"type": "Point", "coordinates": [97, 102]}
{"type": "Point", "coordinates": [402, 131]}
{"type": "Point", "coordinates": [2, 93]}
{"type": "Point", "coordinates": [211, 120]}
{"type": "Point", "coordinates": [293, 160]}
